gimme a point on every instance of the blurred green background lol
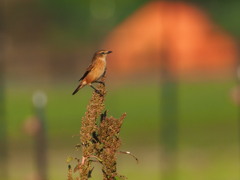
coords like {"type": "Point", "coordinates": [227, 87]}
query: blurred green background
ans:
{"type": "Point", "coordinates": [46, 46]}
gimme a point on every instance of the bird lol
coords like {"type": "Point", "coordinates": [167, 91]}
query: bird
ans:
{"type": "Point", "coordinates": [95, 71]}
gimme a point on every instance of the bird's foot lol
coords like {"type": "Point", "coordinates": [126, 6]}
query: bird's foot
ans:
{"type": "Point", "coordinates": [98, 92]}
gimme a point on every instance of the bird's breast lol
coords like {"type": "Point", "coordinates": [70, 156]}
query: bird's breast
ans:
{"type": "Point", "coordinates": [97, 71]}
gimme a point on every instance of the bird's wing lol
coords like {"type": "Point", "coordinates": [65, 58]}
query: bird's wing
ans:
{"type": "Point", "coordinates": [87, 71]}
{"type": "Point", "coordinates": [89, 68]}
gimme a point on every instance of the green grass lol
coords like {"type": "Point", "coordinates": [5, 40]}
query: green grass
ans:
{"type": "Point", "coordinates": [201, 105]}
{"type": "Point", "coordinates": [207, 137]}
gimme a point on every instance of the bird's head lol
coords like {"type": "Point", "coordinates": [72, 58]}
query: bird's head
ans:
{"type": "Point", "coordinates": [102, 53]}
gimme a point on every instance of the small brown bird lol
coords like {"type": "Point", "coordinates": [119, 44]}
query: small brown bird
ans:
{"type": "Point", "coordinates": [94, 71]}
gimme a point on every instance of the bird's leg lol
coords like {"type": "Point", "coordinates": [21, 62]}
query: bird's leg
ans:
{"type": "Point", "coordinates": [104, 73]}
{"type": "Point", "coordinates": [100, 82]}
{"type": "Point", "coordinates": [96, 90]}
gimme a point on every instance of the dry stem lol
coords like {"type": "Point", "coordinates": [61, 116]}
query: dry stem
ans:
{"type": "Point", "coordinates": [99, 139]}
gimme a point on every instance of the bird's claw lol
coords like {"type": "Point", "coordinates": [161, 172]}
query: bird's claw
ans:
{"type": "Point", "coordinates": [98, 92]}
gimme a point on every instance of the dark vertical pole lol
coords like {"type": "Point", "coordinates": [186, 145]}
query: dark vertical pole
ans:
{"type": "Point", "coordinates": [3, 123]}
{"type": "Point", "coordinates": [169, 105]}
{"type": "Point", "coordinates": [238, 89]}
{"type": "Point", "coordinates": [39, 101]}
{"type": "Point", "coordinates": [169, 119]}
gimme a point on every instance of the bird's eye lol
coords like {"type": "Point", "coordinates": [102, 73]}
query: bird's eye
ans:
{"type": "Point", "coordinates": [102, 53]}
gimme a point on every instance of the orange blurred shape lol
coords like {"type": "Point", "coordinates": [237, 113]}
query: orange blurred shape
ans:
{"type": "Point", "coordinates": [32, 126]}
{"type": "Point", "coordinates": [235, 95]}
{"type": "Point", "coordinates": [178, 32]}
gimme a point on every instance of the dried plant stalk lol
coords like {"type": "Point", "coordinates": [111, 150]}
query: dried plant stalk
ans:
{"type": "Point", "coordinates": [99, 136]}
{"type": "Point", "coordinates": [88, 128]}
{"type": "Point", "coordinates": [109, 137]}
{"type": "Point", "coordinates": [100, 140]}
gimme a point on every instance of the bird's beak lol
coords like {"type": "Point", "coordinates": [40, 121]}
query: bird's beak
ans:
{"type": "Point", "coordinates": [109, 52]}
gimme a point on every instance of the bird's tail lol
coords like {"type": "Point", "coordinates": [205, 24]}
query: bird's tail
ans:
{"type": "Point", "coordinates": [76, 90]}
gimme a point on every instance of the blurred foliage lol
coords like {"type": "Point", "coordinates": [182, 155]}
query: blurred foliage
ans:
{"type": "Point", "coordinates": [224, 13]}
{"type": "Point", "coordinates": [71, 21]}
{"type": "Point", "coordinates": [76, 20]}
{"type": "Point", "coordinates": [76, 15]}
